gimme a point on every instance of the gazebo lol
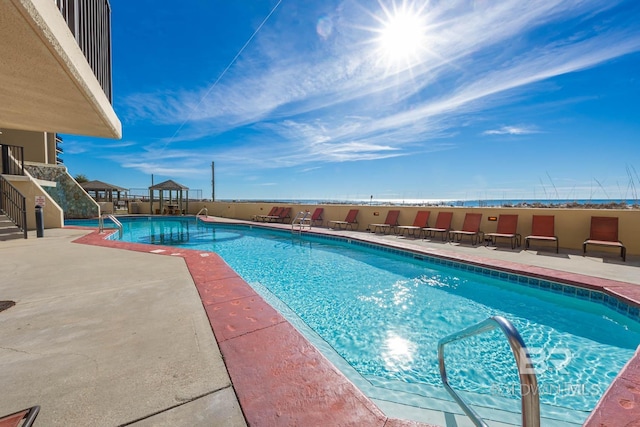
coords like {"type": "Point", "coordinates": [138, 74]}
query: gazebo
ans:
{"type": "Point", "coordinates": [102, 192]}
{"type": "Point", "coordinates": [174, 204]}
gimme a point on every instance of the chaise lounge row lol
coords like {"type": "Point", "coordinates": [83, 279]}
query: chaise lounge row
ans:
{"type": "Point", "coordinates": [276, 214]}
{"type": "Point", "coordinates": [603, 230]}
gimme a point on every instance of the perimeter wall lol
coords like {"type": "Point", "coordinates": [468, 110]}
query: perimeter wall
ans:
{"type": "Point", "coordinates": [571, 225]}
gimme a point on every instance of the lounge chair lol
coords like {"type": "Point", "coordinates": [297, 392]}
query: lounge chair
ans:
{"type": "Point", "coordinates": [317, 216]}
{"type": "Point", "coordinates": [275, 215]}
{"type": "Point", "coordinates": [443, 225]}
{"type": "Point", "coordinates": [470, 227]}
{"type": "Point", "coordinates": [507, 227]}
{"type": "Point", "coordinates": [421, 221]}
{"type": "Point", "coordinates": [391, 222]}
{"type": "Point", "coordinates": [285, 213]}
{"type": "Point", "coordinates": [22, 418]}
{"type": "Point", "coordinates": [542, 228]}
{"type": "Point", "coordinates": [348, 221]}
{"type": "Point", "coordinates": [272, 212]}
{"type": "Point", "coordinates": [604, 232]}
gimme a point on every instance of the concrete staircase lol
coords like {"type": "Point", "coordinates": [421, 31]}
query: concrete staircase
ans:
{"type": "Point", "coordinates": [8, 230]}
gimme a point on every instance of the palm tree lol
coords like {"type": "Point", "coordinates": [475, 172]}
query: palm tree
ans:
{"type": "Point", "coordinates": [80, 178]}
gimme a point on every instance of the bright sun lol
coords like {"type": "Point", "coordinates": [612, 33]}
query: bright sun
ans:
{"type": "Point", "coordinates": [401, 40]}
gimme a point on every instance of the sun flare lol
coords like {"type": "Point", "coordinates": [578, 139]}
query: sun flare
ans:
{"type": "Point", "coordinates": [401, 40]}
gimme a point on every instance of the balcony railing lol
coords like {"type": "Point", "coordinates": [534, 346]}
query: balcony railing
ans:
{"type": "Point", "coordinates": [90, 23]}
{"type": "Point", "coordinates": [11, 160]}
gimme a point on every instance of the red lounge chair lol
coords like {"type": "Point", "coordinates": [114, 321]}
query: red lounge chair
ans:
{"type": "Point", "coordinates": [507, 229]}
{"type": "Point", "coordinates": [542, 228]}
{"type": "Point", "coordinates": [285, 213]}
{"type": "Point", "coordinates": [443, 225]}
{"type": "Point", "coordinates": [470, 227]}
{"type": "Point", "coordinates": [348, 221]}
{"type": "Point", "coordinates": [22, 418]}
{"type": "Point", "coordinates": [604, 232]}
{"type": "Point", "coordinates": [421, 221]}
{"type": "Point", "coordinates": [317, 216]}
{"type": "Point", "coordinates": [272, 212]}
{"type": "Point", "coordinates": [391, 222]}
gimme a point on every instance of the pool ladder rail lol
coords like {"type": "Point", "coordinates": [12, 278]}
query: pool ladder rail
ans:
{"type": "Point", "coordinates": [302, 220]}
{"type": "Point", "coordinates": [113, 219]}
{"type": "Point", "coordinates": [528, 381]}
{"type": "Point", "coordinates": [206, 213]}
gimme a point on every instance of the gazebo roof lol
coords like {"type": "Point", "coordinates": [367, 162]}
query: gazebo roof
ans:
{"type": "Point", "coordinates": [168, 185]}
{"type": "Point", "coordinates": [100, 186]}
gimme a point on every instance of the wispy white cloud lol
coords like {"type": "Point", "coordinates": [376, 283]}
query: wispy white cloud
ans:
{"type": "Point", "coordinates": [511, 130]}
{"type": "Point", "coordinates": [327, 100]}
{"type": "Point", "coordinates": [73, 146]}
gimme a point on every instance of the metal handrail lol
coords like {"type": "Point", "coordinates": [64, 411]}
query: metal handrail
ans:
{"type": "Point", "coordinates": [528, 381]}
{"type": "Point", "coordinates": [206, 212]}
{"type": "Point", "coordinates": [114, 220]}
{"type": "Point", "coordinates": [90, 24]}
{"type": "Point", "coordinates": [12, 159]}
{"type": "Point", "coordinates": [302, 219]}
{"type": "Point", "coordinates": [13, 204]}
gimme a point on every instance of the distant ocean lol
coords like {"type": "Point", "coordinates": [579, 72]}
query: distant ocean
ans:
{"type": "Point", "coordinates": [460, 203]}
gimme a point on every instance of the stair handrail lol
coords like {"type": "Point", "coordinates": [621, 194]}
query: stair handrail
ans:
{"type": "Point", "coordinates": [526, 372]}
{"type": "Point", "coordinates": [13, 204]}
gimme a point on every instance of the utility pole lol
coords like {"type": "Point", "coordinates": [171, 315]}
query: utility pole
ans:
{"type": "Point", "coordinates": [213, 183]}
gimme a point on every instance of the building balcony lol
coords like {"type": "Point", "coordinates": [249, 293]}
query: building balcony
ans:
{"type": "Point", "coordinates": [47, 82]}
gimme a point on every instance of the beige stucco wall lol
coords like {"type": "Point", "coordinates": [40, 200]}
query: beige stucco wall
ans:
{"type": "Point", "coordinates": [572, 225]}
{"type": "Point", "coordinates": [37, 145]}
{"type": "Point", "coordinates": [106, 207]}
{"type": "Point", "coordinates": [52, 213]}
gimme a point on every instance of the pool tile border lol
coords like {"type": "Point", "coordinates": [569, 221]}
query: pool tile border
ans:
{"type": "Point", "coordinates": [330, 394]}
{"type": "Point", "coordinates": [626, 307]}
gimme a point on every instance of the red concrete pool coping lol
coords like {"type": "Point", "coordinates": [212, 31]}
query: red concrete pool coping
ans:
{"type": "Point", "coordinates": [282, 379]}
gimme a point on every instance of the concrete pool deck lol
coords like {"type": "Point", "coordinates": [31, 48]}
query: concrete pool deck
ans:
{"type": "Point", "coordinates": [113, 333]}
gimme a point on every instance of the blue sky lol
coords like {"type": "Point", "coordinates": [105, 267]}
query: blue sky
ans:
{"type": "Point", "coordinates": [396, 100]}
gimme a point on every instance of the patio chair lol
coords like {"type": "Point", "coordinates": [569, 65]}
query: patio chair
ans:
{"type": "Point", "coordinates": [317, 216]}
{"type": "Point", "coordinates": [604, 232]}
{"type": "Point", "coordinates": [390, 222]}
{"type": "Point", "coordinates": [507, 229]}
{"type": "Point", "coordinates": [543, 229]}
{"type": "Point", "coordinates": [443, 225]}
{"type": "Point", "coordinates": [285, 213]}
{"type": "Point", "coordinates": [22, 418]}
{"type": "Point", "coordinates": [262, 218]}
{"type": "Point", "coordinates": [470, 228]}
{"type": "Point", "coordinates": [421, 221]}
{"type": "Point", "coordinates": [348, 221]}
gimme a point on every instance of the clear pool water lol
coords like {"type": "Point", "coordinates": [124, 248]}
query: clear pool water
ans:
{"type": "Point", "coordinates": [384, 313]}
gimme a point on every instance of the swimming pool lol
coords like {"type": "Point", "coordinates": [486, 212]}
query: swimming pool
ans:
{"type": "Point", "coordinates": [379, 314]}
